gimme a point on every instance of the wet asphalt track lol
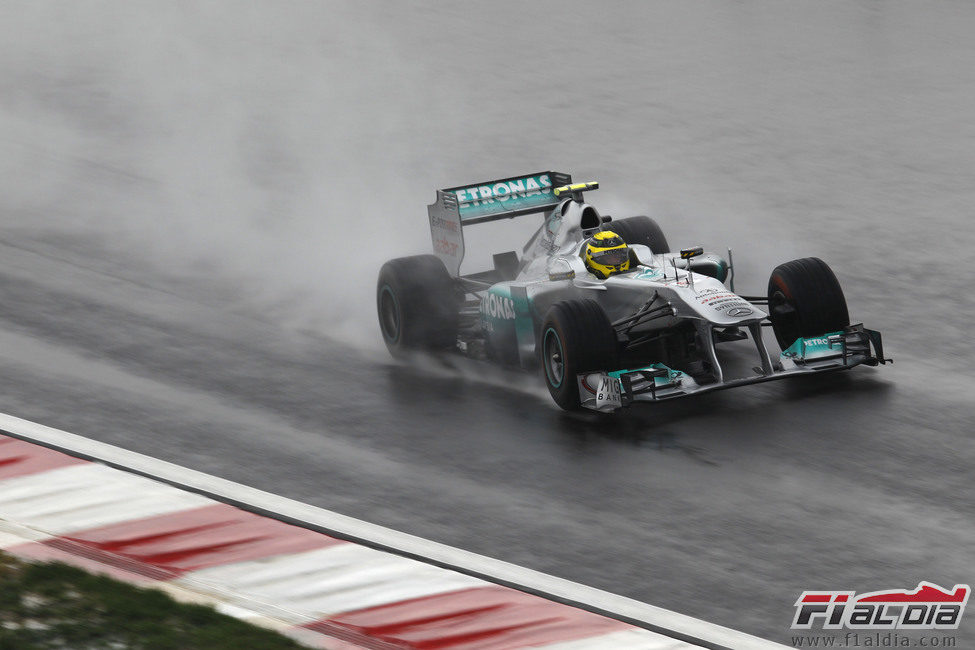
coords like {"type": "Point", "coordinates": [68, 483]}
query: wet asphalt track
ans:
{"type": "Point", "coordinates": [157, 304]}
{"type": "Point", "coordinates": [722, 507]}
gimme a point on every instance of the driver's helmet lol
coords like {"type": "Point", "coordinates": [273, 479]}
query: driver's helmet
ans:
{"type": "Point", "coordinates": [606, 253]}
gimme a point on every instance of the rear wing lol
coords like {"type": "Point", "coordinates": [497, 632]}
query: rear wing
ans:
{"type": "Point", "coordinates": [466, 205]}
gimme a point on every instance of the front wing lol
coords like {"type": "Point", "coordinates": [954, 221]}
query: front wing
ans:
{"type": "Point", "coordinates": [608, 391]}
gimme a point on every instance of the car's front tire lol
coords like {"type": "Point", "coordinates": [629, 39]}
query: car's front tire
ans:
{"type": "Point", "coordinates": [805, 299]}
{"type": "Point", "coordinates": [576, 336]}
{"type": "Point", "coordinates": [417, 303]}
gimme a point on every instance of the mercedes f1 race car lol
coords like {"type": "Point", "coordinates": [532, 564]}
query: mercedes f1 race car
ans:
{"type": "Point", "coordinates": [649, 332]}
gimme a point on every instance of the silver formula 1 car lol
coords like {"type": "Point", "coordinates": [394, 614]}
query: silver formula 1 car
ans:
{"type": "Point", "coordinates": [650, 333]}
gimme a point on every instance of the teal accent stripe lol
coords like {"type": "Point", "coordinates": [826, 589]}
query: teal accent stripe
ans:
{"type": "Point", "coordinates": [671, 373]}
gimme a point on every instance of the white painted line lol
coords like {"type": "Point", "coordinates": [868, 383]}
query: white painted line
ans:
{"type": "Point", "coordinates": [327, 581]}
{"type": "Point", "coordinates": [629, 639]}
{"type": "Point", "coordinates": [63, 500]}
{"type": "Point", "coordinates": [653, 618]}
{"type": "Point", "coordinates": [12, 534]}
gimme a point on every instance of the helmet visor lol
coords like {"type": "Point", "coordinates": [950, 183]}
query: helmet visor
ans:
{"type": "Point", "coordinates": [611, 257]}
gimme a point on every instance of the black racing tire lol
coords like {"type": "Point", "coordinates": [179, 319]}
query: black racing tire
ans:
{"type": "Point", "coordinates": [805, 299]}
{"type": "Point", "coordinates": [641, 230]}
{"type": "Point", "coordinates": [575, 336]}
{"type": "Point", "coordinates": [418, 304]}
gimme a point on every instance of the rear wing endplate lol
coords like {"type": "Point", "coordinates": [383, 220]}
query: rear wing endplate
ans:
{"type": "Point", "coordinates": [504, 198]}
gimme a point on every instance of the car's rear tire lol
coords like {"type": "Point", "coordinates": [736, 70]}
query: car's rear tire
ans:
{"type": "Point", "coordinates": [805, 299]}
{"type": "Point", "coordinates": [641, 230]}
{"type": "Point", "coordinates": [417, 302]}
{"type": "Point", "coordinates": [576, 336]}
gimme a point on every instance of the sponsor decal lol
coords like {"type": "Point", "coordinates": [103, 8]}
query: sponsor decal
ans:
{"type": "Point", "coordinates": [445, 247]}
{"type": "Point", "coordinates": [714, 296]}
{"type": "Point", "coordinates": [444, 224]}
{"type": "Point", "coordinates": [528, 192]}
{"type": "Point", "coordinates": [719, 300]}
{"type": "Point", "coordinates": [814, 348]}
{"type": "Point", "coordinates": [448, 242]}
{"type": "Point", "coordinates": [705, 294]}
{"type": "Point", "coordinates": [497, 306]}
{"type": "Point", "coordinates": [648, 274]}
{"type": "Point", "coordinates": [927, 607]}
{"type": "Point", "coordinates": [608, 395]}
{"type": "Point", "coordinates": [604, 393]}
{"type": "Point", "coordinates": [528, 186]}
